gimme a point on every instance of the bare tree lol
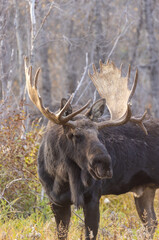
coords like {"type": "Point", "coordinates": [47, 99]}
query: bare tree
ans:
{"type": "Point", "coordinates": [153, 54]}
{"type": "Point", "coordinates": [44, 56]}
{"type": "Point", "coordinates": [70, 60]}
{"type": "Point", "coordinates": [100, 50]}
{"type": "Point", "coordinates": [56, 35]}
{"type": "Point", "coordinates": [20, 51]}
{"type": "Point", "coordinates": [3, 49]}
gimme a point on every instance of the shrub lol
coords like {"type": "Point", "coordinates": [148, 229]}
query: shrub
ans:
{"type": "Point", "coordinates": [19, 185]}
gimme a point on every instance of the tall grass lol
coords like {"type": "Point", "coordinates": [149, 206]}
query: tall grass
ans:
{"type": "Point", "coordinates": [119, 220]}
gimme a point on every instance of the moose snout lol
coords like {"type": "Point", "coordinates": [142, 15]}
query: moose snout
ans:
{"type": "Point", "coordinates": [101, 167]}
{"type": "Point", "coordinates": [103, 171]}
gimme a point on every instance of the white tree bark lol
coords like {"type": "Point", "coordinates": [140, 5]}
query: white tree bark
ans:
{"type": "Point", "coordinates": [33, 30]}
{"type": "Point", "coordinates": [19, 48]}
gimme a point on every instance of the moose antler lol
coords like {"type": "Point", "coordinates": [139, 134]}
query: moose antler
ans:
{"type": "Point", "coordinates": [114, 88]}
{"type": "Point", "coordinates": [57, 118]}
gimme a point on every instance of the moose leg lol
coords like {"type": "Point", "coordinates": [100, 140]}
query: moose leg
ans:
{"type": "Point", "coordinates": [91, 213]}
{"type": "Point", "coordinates": [62, 217]}
{"type": "Point", "coordinates": [60, 193]}
{"type": "Point", "coordinates": [145, 208]}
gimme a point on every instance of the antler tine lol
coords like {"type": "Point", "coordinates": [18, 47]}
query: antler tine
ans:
{"type": "Point", "coordinates": [113, 64]}
{"type": "Point", "coordinates": [36, 77]}
{"type": "Point", "coordinates": [29, 71]}
{"type": "Point", "coordinates": [94, 68]}
{"type": "Point", "coordinates": [128, 74]}
{"type": "Point", "coordinates": [134, 85]}
{"type": "Point", "coordinates": [70, 116]}
{"type": "Point", "coordinates": [100, 64]}
{"type": "Point", "coordinates": [65, 107]}
{"type": "Point", "coordinates": [139, 121]}
{"type": "Point", "coordinates": [108, 61]}
{"type": "Point", "coordinates": [57, 118]}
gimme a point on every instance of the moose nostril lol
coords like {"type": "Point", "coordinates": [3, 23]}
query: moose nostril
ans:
{"type": "Point", "coordinates": [109, 174]}
{"type": "Point", "coordinates": [104, 172]}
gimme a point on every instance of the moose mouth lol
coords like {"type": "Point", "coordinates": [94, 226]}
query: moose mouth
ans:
{"type": "Point", "coordinates": [99, 173]}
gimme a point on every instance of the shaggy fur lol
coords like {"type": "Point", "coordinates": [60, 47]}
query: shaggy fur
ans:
{"type": "Point", "coordinates": [75, 167]}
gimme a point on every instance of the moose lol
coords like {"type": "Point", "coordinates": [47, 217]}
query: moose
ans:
{"type": "Point", "coordinates": [84, 156]}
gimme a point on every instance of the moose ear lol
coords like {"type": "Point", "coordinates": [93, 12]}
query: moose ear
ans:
{"type": "Point", "coordinates": [96, 110]}
{"type": "Point", "coordinates": [69, 108]}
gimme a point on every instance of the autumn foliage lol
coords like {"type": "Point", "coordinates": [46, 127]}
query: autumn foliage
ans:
{"type": "Point", "coordinates": [19, 185]}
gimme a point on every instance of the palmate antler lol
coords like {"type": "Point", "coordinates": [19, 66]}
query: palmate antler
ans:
{"type": "Point", "coordinates": [57, 118]}
{"type": "Point", "coordinates": [114, 88]}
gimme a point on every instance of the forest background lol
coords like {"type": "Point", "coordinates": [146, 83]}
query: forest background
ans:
{"type": "Point", "coordinates": [64, 38]}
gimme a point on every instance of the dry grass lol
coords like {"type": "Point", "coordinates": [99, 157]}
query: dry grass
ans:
{"type": "Point", "coordinates": [119, 220]}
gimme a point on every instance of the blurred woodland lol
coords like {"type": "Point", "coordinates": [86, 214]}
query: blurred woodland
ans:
{"type": "Point", "coordinates": [64, 38]}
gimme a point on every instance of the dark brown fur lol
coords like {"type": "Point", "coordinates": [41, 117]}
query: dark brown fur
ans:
{"type": "Point", "coordinates": [75, 166]}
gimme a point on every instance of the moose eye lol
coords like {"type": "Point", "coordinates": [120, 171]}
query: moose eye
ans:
{"type": "Point", "coordinates": [79, 138]}
{"type": "Point", "coordinates": [70, 135]}
{"type": "Point", "coordinates": [76, 137]}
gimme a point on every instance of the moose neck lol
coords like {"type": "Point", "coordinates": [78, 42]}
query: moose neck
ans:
{"type": "Point", "coordinates": [130, 150]}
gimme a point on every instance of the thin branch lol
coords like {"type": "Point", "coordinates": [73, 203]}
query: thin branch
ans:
{"type": "Point", "coordinates": [121, 34]}
{"type": "Point", "coordinates": [43, 21]}
{"type": "Point", "coordinates": [82, 79]}
{"type": "Point", "coordinates": [78, 216]}
{"type": "Point", "coordinates": [84, 91]}
{"type": "Point", "coordinates": [9, 184]}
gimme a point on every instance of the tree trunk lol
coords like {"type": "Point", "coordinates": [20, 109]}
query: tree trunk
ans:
{"type": "Point", "coordinates": [138, 32]}
{"type": "Point", "coordinates": [20, 49]}
{"type": "Point", "coordinates": [71, 72]}
{"type": "Point", "coordinates": [44, 58]}
{"type": "Point", "coordinates": [3, 51]}
{"type": "Point", "coordinates": [100, 49]}
{"type": "Point", "coordinates": [153, 55]}
{"type": "Point", "coordinates": [46, 82]}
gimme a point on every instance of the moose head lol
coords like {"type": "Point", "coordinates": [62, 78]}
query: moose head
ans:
{"type": "Point", "coordinates": [79, 139]}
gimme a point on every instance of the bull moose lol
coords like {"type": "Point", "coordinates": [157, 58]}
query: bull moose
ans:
{"type": "Point", "coordinates": [84, 156]}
